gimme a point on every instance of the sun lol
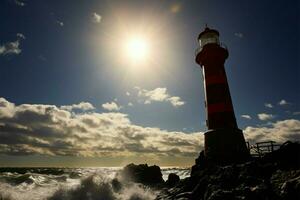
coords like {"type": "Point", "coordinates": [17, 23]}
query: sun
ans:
{"type": "Point", "coordinates": [137, 49]}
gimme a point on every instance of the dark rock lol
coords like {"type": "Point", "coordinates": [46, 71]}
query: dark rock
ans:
{"type": "Point", "coordinates": [275, 176]}
{"type": "Point", "coordinates": [173, 179]}
{"type": "Point", "coordinates": [201, 187]}
{"type": "Point", "coordinates": [183, 196]}
{"type": "Point", "coordinates": [200, 164]}
{"type": "Point", "coordinates": [286, 184]}
{"type": "Point", "coordinates": [144, 174]}
{"type": "Point", "coordinates": [221, 195]}
{"type": "Point", "coordinates": [287, 157]}
{"type": "Point", "coordinates": [291, 188]}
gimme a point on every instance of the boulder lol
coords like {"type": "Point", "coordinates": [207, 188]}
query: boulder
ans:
{"type": "Point", "coordinates": [173, 179]}
{"type": "Point", "coordinates": [144, 174]}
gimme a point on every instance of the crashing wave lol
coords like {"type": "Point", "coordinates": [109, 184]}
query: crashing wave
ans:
{"type": "Point", "coordinates": [72, 183]}
{"type": "Point", "coordinates": [96, 187]}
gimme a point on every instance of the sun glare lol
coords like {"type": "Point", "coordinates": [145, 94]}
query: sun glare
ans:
{"type": "Point", "coordinates": [137, 49]}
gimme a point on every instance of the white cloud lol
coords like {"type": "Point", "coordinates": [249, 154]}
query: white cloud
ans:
{"type": "Point", "coordinates": [28, 129]}
{"type": "Point", "coordinates": [111, 106]}
{"type": "Point", "coordinates": [60, 23]}
{"type": "Point", "coordinates": [265, 116]}
{"type": "Point", "coordinates": [21, 36]}
{"type": "Point", "coordinates": [84, 106]}
{"type": "Point", "coordinates": [239, 35]}
{"type": "Point", "coordinates": [10, 48]}
{"type": "Point", "coordinates": [96, 18]}
{"type": "Point", "coordinates": [268, 105]}
{"type": "Point", "coordinates": [159, 95]}
{"type": "Point", "coordinates": [246, 116]}
{"type": "Point", "coordinates": [176, 101]}
{"type": "Point", "coordinates": [280, 131]}
{"type": "Point", "coordinates": [127, 94]}
{"type": "Point", "coordinates": [48, 130]}
{"type": "Point", "coordinates": [6, 108]}
{"type": "Point", "coordinates": [19, 3]}
{"type": "Point", "coordinates": [283, 102]}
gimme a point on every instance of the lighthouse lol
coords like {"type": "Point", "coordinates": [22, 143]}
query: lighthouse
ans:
{"type": "Point", "coordinates": [223, 141]}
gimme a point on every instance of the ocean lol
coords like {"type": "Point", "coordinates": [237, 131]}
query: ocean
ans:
{"type": "Point", "coordinates": [73, 184]}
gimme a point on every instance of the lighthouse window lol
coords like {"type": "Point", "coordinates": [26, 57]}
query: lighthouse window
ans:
{"type": "Point", "coordinates": [209, 38]}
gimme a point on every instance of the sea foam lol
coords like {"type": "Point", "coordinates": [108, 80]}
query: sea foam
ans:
{"type": "Point", "coordinates": [73, 184]}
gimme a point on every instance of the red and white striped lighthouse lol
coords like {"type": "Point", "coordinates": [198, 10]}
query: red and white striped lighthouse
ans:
{"type": "Point", "coordinates": [224, 142]}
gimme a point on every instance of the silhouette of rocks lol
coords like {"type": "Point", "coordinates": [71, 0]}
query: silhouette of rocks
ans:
{"type": "Point", "coordinates": [287, 157]}
{"type": "Point", "coordinates": [274, 176]}
{"type": "Point", "coordinates": [173, 179]}
{"type": "Point", "coordinates": [144, 174]}
{"type": "Point", "coordinates": [200, 163]}
{"type": "Point", "coordinates": [286, 184]}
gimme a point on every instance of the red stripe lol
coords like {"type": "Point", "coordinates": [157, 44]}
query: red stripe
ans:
{"type": "Point", "coordinates": [215, 79]}
{"type": "Point", "coordinates": [219, 107]}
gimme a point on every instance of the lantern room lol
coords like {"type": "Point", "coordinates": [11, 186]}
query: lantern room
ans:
{"type": "Point", "coordinates": [208, 36]}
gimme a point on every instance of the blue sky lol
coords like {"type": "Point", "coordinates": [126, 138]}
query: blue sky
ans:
{"type": "Point", "coordinates": [63, 53]}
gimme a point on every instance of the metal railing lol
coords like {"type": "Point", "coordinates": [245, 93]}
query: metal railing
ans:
{"type": "Point", "coordinates": [261, 148]}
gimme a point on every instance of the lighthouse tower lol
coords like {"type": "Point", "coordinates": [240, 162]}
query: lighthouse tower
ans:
{"type": "Point", "coordinates": [224, 141]}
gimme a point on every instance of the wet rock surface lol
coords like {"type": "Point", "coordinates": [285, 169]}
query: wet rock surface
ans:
{"type": "Point", "coordinates": [144, 174]}
{"type": "Point", "coordinates": [272, 177]}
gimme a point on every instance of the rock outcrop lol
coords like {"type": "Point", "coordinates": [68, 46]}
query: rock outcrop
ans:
{"type": "Point", "coordinates": [274, 176]}
{"type": "Point", "coordinates": [144, 174]}
{"type": "Point", "coordinates": [173, 179]}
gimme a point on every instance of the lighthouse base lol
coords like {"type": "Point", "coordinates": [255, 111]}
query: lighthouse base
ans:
{"type": "Point", "coordinates": [225, 146]}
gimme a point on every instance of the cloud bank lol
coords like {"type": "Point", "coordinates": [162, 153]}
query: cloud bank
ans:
{"type": "Point", "coordinates": [38, 129]}
{"type": "Point", "coordinates": [279, 131]}
{"type": "Point", "coordinates": [28, 129]}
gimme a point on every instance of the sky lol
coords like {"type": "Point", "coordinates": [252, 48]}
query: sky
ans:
{"type": "Point", "coordinates": [106, 83]}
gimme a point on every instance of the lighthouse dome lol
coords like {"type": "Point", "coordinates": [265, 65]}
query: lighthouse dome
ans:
{"type": "Point", "coordinates": [208, 36]}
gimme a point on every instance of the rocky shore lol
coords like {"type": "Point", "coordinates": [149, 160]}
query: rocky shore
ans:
{"type": "Point", "coordinates": [272, 177]}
